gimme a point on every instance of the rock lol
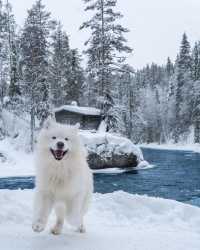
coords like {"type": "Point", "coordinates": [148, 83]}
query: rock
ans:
{"type": "Point", "coordinates": [106, 150]}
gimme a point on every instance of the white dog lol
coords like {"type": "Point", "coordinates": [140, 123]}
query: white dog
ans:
{"type": "Point", "coordinates": [63, 179]}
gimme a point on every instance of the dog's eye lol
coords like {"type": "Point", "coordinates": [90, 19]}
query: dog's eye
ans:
{"type": "Point", "coordinates": [66, 139]}
{"type": "Point", "coordinates": [53, 137]}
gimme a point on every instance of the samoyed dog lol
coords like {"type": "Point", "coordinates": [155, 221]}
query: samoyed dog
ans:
{"type": "Point", "coordinates": [63, 179]}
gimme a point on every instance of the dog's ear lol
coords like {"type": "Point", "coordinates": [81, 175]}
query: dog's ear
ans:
{"type": "Point", "coordinates": [49, 122]}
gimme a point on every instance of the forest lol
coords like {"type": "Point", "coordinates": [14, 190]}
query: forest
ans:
{"type": "Point", "coordinates": [39, 71]}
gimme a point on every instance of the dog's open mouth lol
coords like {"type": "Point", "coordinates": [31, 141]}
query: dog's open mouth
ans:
{"type": "Point", "coordinates": [58, 154]}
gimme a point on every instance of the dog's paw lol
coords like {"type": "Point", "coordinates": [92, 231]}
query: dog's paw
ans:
{"type": "Point", "coordinates": [56, 230]}
{"type": "Point", "coordinates": [38, 227]}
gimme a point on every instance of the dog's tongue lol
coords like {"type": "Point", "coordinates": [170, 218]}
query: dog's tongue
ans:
{"type": "Point", "coordinates": [58, 153]}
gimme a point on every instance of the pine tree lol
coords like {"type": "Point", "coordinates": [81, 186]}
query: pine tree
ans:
{"type": "Point", "coordinates": [183, 80]}
{"type": "Point", "coordinates": [195, 99]}
{"type": "Point", "coordinates": [169, 68]}
{"type": "Point", "coordinates": [127, 100]}
{"type": "Point", "coordinates": [13, 50]}
{"type": "Point", "coordinates": [76, 78]}
{"type": "Point", "coordinates": [35, 56]}
{"type": "Point", "coordinates": [196, 62]}
{"type": "Point", "coordinates": [105, 48]}
{"type": "Point", "coordinates": [60, 67]}
{"type": "Point", "coordinates": [4, 54]}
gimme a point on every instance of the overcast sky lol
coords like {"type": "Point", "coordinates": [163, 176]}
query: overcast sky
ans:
{"type": "Point", "coordinates": [156, 26]}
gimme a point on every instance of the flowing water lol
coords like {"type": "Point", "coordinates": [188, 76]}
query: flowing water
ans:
{"type": "Point", "coordinates": [175, 175]}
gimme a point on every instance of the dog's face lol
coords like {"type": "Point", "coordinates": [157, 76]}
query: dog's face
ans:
{"type": "Point", "coordinates": [59, 146]}
{"type": "Point", "coordinates": [58, 139]}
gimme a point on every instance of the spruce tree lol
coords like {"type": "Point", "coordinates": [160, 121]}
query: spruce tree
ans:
{"type": "Point", "coordinates": [183, 79]}
{"type": "Point", "coordinates": [196, 62]}
{"type": "Point", "coordinates": [105, 50]}
{"type": "Point", "coordinates": [35, 56]}
{"type": "Point", "coordinates": [4, 53]}
{"type": "Point", "coordinates": [76, 78]}
{"type": "Point", "coordinates": [196, 91]}
{"type": "Point", "coordinates": [169, 68]}
{"type": "Point", "coordinates": [60, 67]}
{"type": "Point", "coordinates": [14, 55]}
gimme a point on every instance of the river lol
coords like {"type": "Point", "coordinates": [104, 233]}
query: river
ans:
{"type": "Point", "coordinates": [175, 175]}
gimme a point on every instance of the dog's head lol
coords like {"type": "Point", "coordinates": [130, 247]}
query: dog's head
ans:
{"type": "Point", "coordinates": [58, 139]}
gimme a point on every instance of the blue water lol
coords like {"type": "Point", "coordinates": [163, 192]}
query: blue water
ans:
{"type": "Point", "coordinates": [176, 175]}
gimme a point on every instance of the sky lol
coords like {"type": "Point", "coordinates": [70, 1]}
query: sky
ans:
{"type": "Point", "coordinates": [156, 26]}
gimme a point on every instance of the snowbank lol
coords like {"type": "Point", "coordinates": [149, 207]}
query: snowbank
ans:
{"type": "Point", "coordinates": [110, 151]}
{"type": "Point", "coordinates": [115, 221]}
{"type": "Point", "coordinates": [17, 128]}
{"type": "Point", "coordinates": [185, 147]}
{"type": "Point", "coordinates": [13, 160]}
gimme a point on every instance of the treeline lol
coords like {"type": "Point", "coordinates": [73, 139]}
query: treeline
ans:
{"type": "Point", "coordinates": [39, 71]}
{"type": "Point", "coordinates": [168, 106]}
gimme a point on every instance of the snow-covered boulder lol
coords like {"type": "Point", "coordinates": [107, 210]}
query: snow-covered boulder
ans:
{"type": "Point", "coordinates": [106, 150]}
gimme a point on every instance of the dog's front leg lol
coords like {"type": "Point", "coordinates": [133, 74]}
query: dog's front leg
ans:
{"type": "Point", "coordinates": [75, 214]}
{"type": "Point", "coordinates": [42, 207]}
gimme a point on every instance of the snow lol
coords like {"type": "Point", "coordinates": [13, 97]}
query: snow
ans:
{"type": "Point", "coordinates": [143, 165]}
{"type": "Point", "coordinates": [80, 110]}
{"type": "Point", "coordinates": [6, 99]}
{"type": "Point", "coordinates": [170, 146]}
{"type": "Point", "coordinates": [15, 161]}
{"type": "Point", "coordinates": [102, 127]}
{"type": "Point", "coordinates": [115, 221]}
{"type": "Point", "coordinates": [109, 143]}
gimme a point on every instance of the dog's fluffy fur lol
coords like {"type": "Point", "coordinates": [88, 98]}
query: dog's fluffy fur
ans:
{"type": "Point", "coordinates": [64, 183]}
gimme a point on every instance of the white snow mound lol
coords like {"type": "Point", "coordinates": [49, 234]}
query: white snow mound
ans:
{"type": "Point", "coordinates": [115, 221]}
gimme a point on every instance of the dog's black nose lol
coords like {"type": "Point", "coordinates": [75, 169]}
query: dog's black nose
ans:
{"type": "Point", "coordinates": [60, 144]}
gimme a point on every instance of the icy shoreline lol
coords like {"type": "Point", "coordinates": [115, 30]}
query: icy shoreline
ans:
{"type": "Point", "coordinates": [183, 147]}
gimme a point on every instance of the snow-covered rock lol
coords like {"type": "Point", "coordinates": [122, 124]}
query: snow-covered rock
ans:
{"type": "Point", "coordinates": [106, 150]}
{"type": "Point", "coordinates": [118, 221]}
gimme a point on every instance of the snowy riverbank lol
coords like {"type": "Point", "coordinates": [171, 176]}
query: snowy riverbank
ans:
{"type": "Point", "coordinates": [115, 221]}
{"type": "Point", "coordinates": [184, 147]}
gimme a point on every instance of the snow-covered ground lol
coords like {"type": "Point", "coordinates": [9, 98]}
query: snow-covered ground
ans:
{"type": "Point", "coordinates": [115, 221]}
{"type": "Point", "coordinates": [15, 161]}
{"type": "Point", "coordinates": [185, 147]}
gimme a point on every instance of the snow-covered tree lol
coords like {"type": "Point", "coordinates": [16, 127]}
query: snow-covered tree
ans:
{"type": "Point", "coordinates": [183, 81]}
{"type": "Point", "coordinates": [105, 49]}
{"type": "Point", "coordinates": [4, 53]}
{"type": "Point", "coordinates": [169, 68]}
{"type": "Point", "coordinates": [35, 61]}
{"type": "Point", "coordinates": [14, 57]}
{"type": "Point", "coordinates": [76, 78]}
{"type": "Point", "coordinates": [60, 67]}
